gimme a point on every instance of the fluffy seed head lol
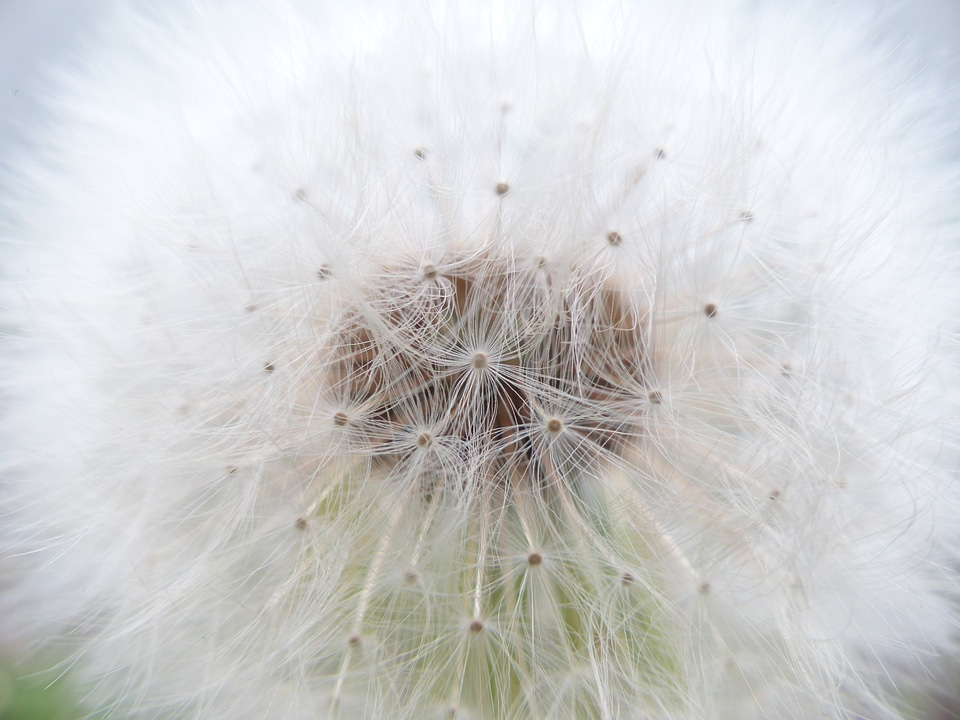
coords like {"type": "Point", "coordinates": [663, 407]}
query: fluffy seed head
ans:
{"type": "Point", "coordinates": [487, 360]}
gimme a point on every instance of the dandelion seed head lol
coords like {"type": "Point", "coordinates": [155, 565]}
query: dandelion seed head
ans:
{"type": "Point", "coordinates": [311, 413]}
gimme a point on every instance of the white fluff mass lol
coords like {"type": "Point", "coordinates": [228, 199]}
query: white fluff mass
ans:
{"type": "Point", "coordinates": [509, 360]}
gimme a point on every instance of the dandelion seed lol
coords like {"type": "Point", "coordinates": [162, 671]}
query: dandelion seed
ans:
{"type": "Point", "coordinates": [424, 440]}
{"type": "Point", "coordinates": [429, 271]}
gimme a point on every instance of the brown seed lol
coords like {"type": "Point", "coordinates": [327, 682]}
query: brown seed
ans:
{"type": "Point", "coordinates": [710, 310]}
{"type": "Point", "coordinates": [476, 626]}
{"type": "Point", "coordinates": [534, 558]}
{"type": "Point", "coordinates": [300, 523]}
{"type": "Point", "coordinates": [502, 188]}
{"type": "Point", "coordinates": [655, 397]}
{"type": "Point", "coordinates": [420, 153]}
{"type": "Point", "coordinates": [614, 238]}
{"type": "Point", "coordinates": [424, 440]}
{"type": "Point", "coordinates": [554, 426]}
{"type": "Point", "coordinates": [479, 361]}
{"type": "Point", "coordinates": [340, 418]}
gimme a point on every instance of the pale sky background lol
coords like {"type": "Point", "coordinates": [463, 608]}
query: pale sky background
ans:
{"type": "Point", "coordinates": [35, 34]}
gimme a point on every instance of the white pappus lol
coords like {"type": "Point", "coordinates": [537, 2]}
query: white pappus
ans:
{"type": "Point", "coordinates": [487, 360]}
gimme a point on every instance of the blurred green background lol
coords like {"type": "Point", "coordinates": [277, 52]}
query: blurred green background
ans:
{"type": "Point", "coordinates": [26, 695]}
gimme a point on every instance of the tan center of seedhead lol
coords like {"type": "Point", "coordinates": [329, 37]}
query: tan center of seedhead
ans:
{"type": "Point", "coordinates": [489, 366]}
